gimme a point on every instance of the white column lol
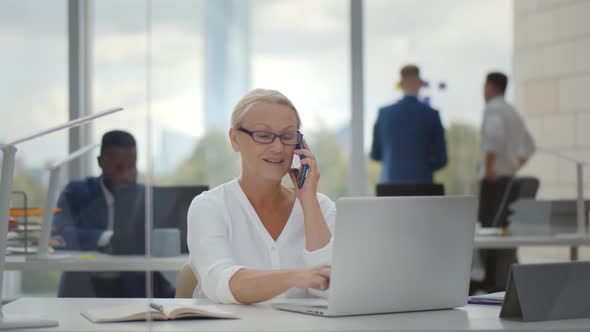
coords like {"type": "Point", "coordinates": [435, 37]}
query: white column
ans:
{"type": "Point", "coordinates": [80, 80]}
{"type": "Point", "coordinates": [358, 160]}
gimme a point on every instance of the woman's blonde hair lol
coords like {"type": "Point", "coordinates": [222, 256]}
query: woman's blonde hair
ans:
{"type": "Point", "coordinates": [257, 96]}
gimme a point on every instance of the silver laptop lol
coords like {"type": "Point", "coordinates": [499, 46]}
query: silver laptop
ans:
{"type": "Point", "coordinates": [397, 254]}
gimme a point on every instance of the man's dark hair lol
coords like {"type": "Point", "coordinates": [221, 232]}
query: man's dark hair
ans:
{"type": "Point", "coordinates": [117, 138]}
{"type": "Point", "coordinates": [498, 80]}
{"type": "Point", "coordinates": [409, 71]}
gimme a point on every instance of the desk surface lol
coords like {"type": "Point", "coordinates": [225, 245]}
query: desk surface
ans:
{"type": "Point", "coordinates": [515, 241]}
{"type": "Point", "coordinates": [92, 261]}
{"type": "Point", "coordinates": [264, 318]}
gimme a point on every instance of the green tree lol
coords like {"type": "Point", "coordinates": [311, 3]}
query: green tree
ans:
{"type": "Point", "coordinates": [211, 163]}
{"type": "Point", "coordinates": [333, 161]}
{"type": "Point", "coordinates": [460, 174]}
{"type": "Point", "coordinates": [33, 189]}
{"type": "Point", "coordinates": [373, 174]}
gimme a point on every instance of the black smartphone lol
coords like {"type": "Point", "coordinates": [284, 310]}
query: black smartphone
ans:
{"type": "Point", "coordinates": [304, 168]}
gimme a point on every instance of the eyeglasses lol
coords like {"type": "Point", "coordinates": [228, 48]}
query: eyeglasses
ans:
{"type": "Point", "coordinates": [265, 137]}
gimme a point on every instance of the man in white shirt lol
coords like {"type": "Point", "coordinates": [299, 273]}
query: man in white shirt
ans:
{"type": "Point", "coordinates": [506, 145]}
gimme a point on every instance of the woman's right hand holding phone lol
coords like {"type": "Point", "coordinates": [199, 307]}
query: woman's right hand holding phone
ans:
{"type": "Point", "coordinates": [310, 185]}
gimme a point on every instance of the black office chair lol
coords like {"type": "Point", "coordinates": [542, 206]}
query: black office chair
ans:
{"type": "Point", "coordinates": [171, 206]}
{"type": "Point", "coordinates": [527, 186]}
{"type": "Point", "coordinates": [497, 262]}
{"type": "Point", "coordinates": [518, 188]}
{"type": "Point", "coordinates": [410, 189]}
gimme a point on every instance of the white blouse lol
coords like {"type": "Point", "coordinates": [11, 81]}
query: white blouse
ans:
{"type": "Point", "coordinates": [225, 235]}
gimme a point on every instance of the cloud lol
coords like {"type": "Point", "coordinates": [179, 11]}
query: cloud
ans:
{"type": "Point", "coordinates": [125, 92]}
{"type": "Point", "coordinates": [33, 18]}
{"type": "Point", "coordinates": [313, 86]}
{"type": "Point", "coordinates": [299, 27]}
{"type": "Point", "coordinates": [119, 48]}
{"type": "Point", "coordinates": [33, 113]}
{"type": "Point", "coordinates": [324, 17]}
{"type": "Point", "coordinates": [181, 113]}
{"type": "Point", "coordinates": [483, 23]}
{"type": "Point", "coordinates": [129, 16]}
{"type": "Point", "coordinates": [168, 45]}
{"type": "Point", "coordinates": [49, 108]}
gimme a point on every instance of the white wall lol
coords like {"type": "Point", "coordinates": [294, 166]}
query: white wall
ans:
{"type": "Point", "coordinates": [552, 87]}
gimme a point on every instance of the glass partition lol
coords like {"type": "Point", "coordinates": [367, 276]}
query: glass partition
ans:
{"type": "Point", "coordinates": [34, 94]}
{"type": "Point", "coordinates": [455, 44]}
{"type": "Point", "coordinates": [177, 68]}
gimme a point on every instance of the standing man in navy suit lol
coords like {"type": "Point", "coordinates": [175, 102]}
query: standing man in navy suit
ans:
{"type": "Point", "coordinates": [86, 221]}
{"type": "Point", "coordinates": [408, 137]}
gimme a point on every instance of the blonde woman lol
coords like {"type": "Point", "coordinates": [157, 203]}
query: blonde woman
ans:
{"type": "Point", "coordinates": [253, 239]}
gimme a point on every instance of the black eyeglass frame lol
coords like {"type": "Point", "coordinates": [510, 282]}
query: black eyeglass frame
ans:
{"type": "Point", "coordinates": [274, 136]}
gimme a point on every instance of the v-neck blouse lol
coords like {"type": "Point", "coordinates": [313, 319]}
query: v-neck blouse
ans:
{"type": "Point", "coordinates": [226, 235]}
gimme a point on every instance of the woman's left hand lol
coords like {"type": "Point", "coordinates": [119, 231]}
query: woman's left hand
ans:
{"type": "Point", "coordinates": [310, 185]}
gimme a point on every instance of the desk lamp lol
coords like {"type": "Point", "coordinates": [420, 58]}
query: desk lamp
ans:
{"type": "Point", "coordinates": [8, 160]}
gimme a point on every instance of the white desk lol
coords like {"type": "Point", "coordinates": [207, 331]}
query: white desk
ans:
{"type": "Point", "coordinates": [103, 262]}
{"type": "Point", "coordinates": [264, 318]}
{"type": "Point", "coordinates": [92, 261]}
{"type": "Point", "coordinates": [516, 241]}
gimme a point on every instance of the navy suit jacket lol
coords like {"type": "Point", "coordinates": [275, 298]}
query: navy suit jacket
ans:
{"type": "Point", "coordinates": [81, 221]}
{"type": "Point", "coordinates": [83, 216]}
{"type": "Point", "coordinates": [409, 140]}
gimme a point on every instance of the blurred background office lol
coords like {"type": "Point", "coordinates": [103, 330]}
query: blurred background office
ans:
{"type": "Point", "coordinates": [179, 66]}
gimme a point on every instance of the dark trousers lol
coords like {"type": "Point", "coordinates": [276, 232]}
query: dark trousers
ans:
{"type": "Point", "coordinates": [494, 200]}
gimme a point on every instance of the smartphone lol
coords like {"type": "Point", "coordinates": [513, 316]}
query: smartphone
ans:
{"type": "Point", "coordinates": [303, 171]}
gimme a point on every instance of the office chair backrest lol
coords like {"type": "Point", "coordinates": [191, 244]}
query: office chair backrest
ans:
{"type": "Point", "coordinates": [518, 188]}
{"type": "Point", "coordinates": [186, 283]}
{"type": "Point", "coordinates": [527, 186]}
{"type": "Point", "coordinates": [410, 189]}
{"type": "Point", "coordinates": [171, 206]}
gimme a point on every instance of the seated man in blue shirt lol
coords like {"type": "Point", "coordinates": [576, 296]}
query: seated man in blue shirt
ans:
{"type": "Point", "coordinates": [408, 136]}
{"type": "Point", "coordinates": [87, 222]}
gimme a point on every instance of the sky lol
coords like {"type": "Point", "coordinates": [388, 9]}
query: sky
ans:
{"type": "Point", "coordinates": [298, 47]}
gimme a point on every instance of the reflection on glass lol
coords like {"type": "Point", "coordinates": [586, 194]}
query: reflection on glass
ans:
{"type": "Point", "coordinates": [105, 214]}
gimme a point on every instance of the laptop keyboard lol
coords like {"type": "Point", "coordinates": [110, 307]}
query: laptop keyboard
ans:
{"type": "Point", "coordinates": [320, 306]}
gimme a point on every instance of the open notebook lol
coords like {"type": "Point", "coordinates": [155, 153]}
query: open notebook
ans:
{"type": "Point", "coordinates": [489, 299]}
{"type": "Point", "coordinates": [139, 311]}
